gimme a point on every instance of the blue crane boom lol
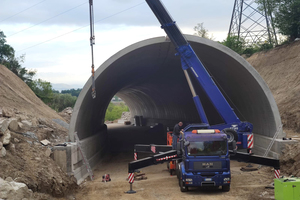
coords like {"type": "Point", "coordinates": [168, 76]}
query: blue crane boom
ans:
{"type": "Point", "coordinates": [190, 60]}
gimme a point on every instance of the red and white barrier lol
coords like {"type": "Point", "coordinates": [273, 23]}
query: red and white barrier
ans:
{"type": "Point", "coordinates": [166, 158]}
{"type": "Point", "coordinates": [130, 177]}
{"type": "Point", "coordinates": [250, 141]}
{"type": "Point", "coordinates": [276, 173]}
{"type": "Point", "coordinates": [135, 156]}
{"type": "Point", "coordinates": [153, 149]}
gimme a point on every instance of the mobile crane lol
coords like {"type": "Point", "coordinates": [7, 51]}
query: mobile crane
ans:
{"type": "Point", "coordinates": [232, 126]}
{"type": "Point", "coordinates": [203, 153]}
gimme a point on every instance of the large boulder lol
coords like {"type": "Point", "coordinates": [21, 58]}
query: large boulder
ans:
{"type": "Point", "coordinates": [3, 125]}
{"type": "Point", "coordinates": [8, 112]}
{"type": "Point", "coordinates": [13, 124]}
{"type": "Point", "coordinates": [26, 124]}
{"type": "Point", "coordinates": [12, 190]}
{"type": "Point", "coordinates": [6, 138]}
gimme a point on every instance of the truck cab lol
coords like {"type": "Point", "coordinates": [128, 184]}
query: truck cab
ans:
{"type": "Point", "coordinates": [205, 160]}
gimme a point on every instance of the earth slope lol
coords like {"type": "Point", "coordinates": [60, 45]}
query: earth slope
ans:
{"type": "Point", "coordinates": [280, 68]}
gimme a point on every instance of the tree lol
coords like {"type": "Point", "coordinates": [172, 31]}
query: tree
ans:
{"type": "Point", "coordinates": [235, 43]}
{"type": "Point", "coordinates": [13, 63]}
{"type": "Point", "coordinates": [62, 101]}
{"type": "Point", "coordinates": [43, 90]}
{"type": "Point", "coordinates": [202, 32]}
{"type": "Point", "coordinates": [6, 51]}
{"type": "Point", "coordinates": [286, 15]}
{"type": "Point", "coordinates": [73, 92]}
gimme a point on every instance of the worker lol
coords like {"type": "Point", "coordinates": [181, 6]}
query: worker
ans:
{"type": "Point", "coordinates": [177, 131]}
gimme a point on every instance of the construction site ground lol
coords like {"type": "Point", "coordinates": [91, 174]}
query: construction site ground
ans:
{"type": "Point", "coordinates": [161, 185]}
{"type": "Point", "coordinates": [27, 161]}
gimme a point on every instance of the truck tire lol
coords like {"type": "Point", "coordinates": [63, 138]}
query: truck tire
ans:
{"type": "Point", "coordinates": [182, 187]}
{"type": "Point", "coordinates": [226, 188]}
{"type": "Point", "coordinates": [231, 134]}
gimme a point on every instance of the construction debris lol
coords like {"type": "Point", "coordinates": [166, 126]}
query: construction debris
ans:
{"type": "Point", "coordinates": [45, 142]}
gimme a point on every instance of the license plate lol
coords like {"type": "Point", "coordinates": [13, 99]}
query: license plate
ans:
{"type": "Point", "coordinates": [208, 179]}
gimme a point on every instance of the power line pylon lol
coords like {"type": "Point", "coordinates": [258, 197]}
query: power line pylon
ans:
{"type": "Point", "coordinates": [251, 24]}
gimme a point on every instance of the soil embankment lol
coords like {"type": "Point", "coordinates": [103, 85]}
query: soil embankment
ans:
{"type": "Point", "coordinates": [280, 68]}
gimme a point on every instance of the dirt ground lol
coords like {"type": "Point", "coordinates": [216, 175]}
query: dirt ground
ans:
{"type": "Point", "coordinates": [160, 185]}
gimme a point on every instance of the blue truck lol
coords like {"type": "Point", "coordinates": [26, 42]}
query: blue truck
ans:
{"type": "Point", "coordinates": [202, 155]}
{"type": "Point", "coordinates": [204, 160]}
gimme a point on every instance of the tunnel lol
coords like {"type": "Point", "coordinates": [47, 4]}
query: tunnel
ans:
{"type": "Point", "coordinates": [148, 77]}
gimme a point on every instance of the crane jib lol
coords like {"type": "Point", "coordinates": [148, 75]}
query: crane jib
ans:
{"type": "Point", "coordinates": [190, 60]}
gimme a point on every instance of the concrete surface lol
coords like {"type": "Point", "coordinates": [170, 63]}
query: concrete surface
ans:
{"type": "Point", "coordinates": [148, 77]}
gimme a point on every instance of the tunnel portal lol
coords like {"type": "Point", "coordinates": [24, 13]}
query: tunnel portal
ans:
{"type": "Point", "coordinates": [148, 77]}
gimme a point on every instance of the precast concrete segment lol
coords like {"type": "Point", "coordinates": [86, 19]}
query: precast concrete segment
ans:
{"type": "Point", "coordinates": [148, 77]}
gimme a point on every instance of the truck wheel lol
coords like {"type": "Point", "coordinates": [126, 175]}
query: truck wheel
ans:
{"type": "Point", "coordinates": [226, 188]}
{"type": "Point", "coordinates": [231, 134]}
{"type": "Point", "coordinates": [182, 187]}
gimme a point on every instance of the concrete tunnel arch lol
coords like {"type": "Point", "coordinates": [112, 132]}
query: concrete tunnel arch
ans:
{"type": "Point", "coordinates": [148, 77]}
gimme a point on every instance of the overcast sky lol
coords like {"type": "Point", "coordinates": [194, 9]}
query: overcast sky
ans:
{"type": "Point", "coordinates": [54, 34]}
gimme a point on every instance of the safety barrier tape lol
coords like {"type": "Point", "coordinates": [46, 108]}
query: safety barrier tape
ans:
{"type": "Point", "coordinates": [166, 158]}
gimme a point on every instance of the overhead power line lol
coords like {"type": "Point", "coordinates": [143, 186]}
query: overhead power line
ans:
{"type": "Point", "coordinates": [47, 19]}
{"type": "Point", "coordinates": [22, 11]}
{"type": "Point", "coordinates": [82, 27]}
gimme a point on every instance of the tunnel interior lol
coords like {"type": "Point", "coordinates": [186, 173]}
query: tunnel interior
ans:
{"type": "Point", "coordinates": [148, 77]}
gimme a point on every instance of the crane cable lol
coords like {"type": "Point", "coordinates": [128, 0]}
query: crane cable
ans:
{"type": "Point", "coordinates": [92, 42]}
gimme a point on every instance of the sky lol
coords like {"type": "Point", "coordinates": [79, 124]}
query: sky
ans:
{"type": "Point", "coordinates": [54, 34]}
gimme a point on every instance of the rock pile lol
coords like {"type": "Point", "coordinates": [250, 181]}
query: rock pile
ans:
{"type": "Point", "coordinates": [25, 155]}
{"type": "Point", "coordinates": [66, 114]}
{"type": "Point", "coordinates": [38, 129]}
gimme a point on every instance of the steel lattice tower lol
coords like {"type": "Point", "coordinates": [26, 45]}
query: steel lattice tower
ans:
{"type": "Point", "coordinates": [250, 23]}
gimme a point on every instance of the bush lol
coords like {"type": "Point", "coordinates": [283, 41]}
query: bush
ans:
{"type": "Point", "coordinates": [114, 112]}
{"type": "Point", "coordinates": [62, 101]}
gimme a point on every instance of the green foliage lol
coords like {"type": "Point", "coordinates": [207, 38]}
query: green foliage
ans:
{"type": "Point", "coordinates": [62, 101]}
{"type": "Point", "coordinates": [286, 15]}
{"type": "Point", "coordinates": [235, 43]}
{"type": "Point", "coordinates": [52, 98]}
{"type": "Point", "coordinates": [202, 32]}
{"type": "Point", "coordinates": [73, 92]}
{"type": "Point", "coordinates": [55, 91]}
{"type": "Point", "coordinates": [114, 112]}
{"type": "Point", "coordinates": [42, 89]}
{"type": "Point", "coordinates": [8, 58]}
{"type": "Point", "coordinates": [239, 46]}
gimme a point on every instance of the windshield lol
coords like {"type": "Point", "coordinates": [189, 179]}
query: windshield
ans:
{"type": "Point", "coordinates": [207, 148]}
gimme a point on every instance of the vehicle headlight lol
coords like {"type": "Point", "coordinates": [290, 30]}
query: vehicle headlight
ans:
{"type": "Point", "coordinates": [226, 179]}
{"type": "Point", "coordinates": [188, 179]}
